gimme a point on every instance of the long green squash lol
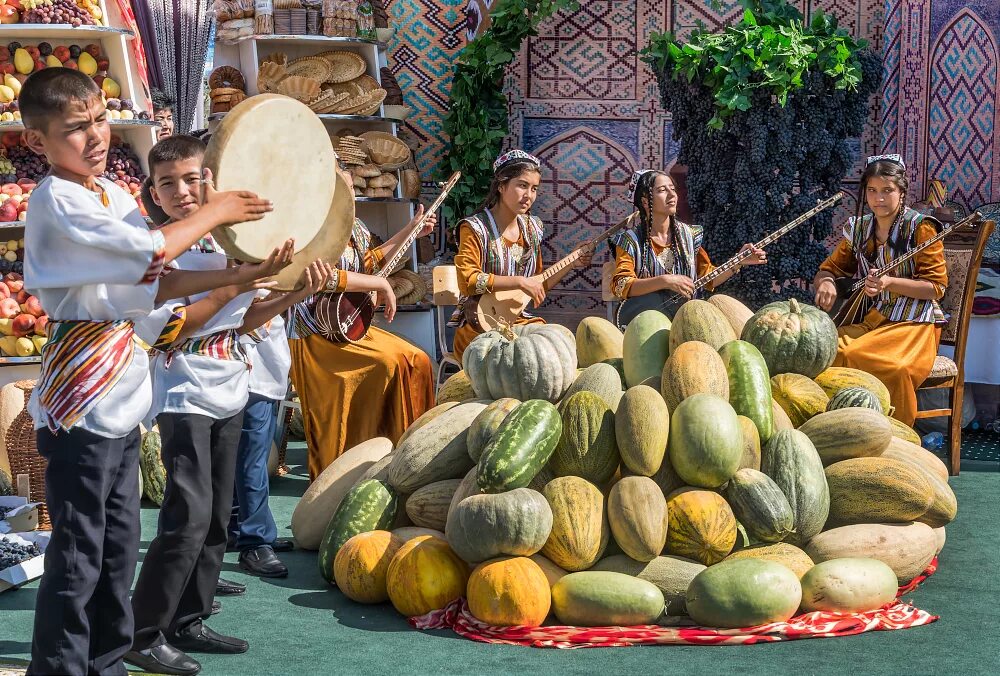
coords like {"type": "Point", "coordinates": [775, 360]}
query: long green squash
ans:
{"type": "Point", "coordinates": [522, 445]}
{"type": "Point", "coordinates": [749, 385]}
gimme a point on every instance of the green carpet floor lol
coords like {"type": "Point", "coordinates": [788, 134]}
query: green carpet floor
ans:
{"type": "Point", "coordinates": [301, 626]}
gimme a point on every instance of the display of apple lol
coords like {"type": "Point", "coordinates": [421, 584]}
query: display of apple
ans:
{"type": "Point", "coordinates": [41, 325]}
{"type": "Point", "coordinates": [24, 326]}
{"type": "Point", "coordinates": [9, 308]}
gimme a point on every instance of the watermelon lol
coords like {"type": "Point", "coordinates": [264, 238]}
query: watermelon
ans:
{"type": "Point", "coordinates": [371, 505]}
{"type": "Point", "coordinates": [486, 424]}
{"type": "Point", "coordinates": [749, 385]}
{"type": "Point", "coordinates": [855, 397]}
{"type": "Point", "coordinates": [791, 460]}
{"type": "Point", "coordinates": [522, 445]}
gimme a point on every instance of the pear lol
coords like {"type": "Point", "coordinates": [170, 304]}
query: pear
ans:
{"type": "Point", "coordinates": [39, 342]}
{"type": "Point", "coordinates": [87, 64]}
{"type": "Point", "coordinates": [23, 62]}
{"type": "Point", "coordinates": [53, 62]}
{"type": "Point", "coordinates": [8, 345]}
{"type": "Point", "coordinates": [13, 83]}
{"type": "Point", "coordinates": [6, 94]}
{"type": "Point", "coordinates": [110, 87]}
{"type": "Point", "coordinates": [7, 327]}
{"type": "Point", "coordinates": [24, 347]}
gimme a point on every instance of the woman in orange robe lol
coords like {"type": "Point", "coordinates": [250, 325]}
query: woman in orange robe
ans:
{"type": "Point", "coordinates": [500, 248]}
{"type": "Point", "coordinates": [353, 392]}
{"type": "Point", "coordinates": [662, 253]}
{"type": "Point", "coordinates": [897, 340]}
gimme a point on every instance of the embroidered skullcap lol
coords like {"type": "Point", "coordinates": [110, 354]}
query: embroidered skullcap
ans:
{"type": "Point", "coordinates": [633, 183]}
{"type": "Point", "coordinates": [894, 157]}
{"type": "Point", "coordinates": [514, 156]}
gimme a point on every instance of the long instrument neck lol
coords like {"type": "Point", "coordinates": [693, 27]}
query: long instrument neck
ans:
{"type": "Point", "coordinates": [896, 262]}
{"type": "Point", "coordinates": [404, 248]}
{"type": "Point", "coordinates": [554, 269]}
{"type": "Point", "coordinates": [704, 280]}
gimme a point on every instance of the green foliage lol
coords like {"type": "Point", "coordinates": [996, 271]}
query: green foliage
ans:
{"type": "Point", "coordinates": [476, 120]}
{"type": "Point", "coordinates": [770, 49]}
{"type": "Point", "coordinates": [764, 141]}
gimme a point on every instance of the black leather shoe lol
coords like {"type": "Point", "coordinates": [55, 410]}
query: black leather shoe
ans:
{"type": "Point", "coordinates": [262, 562]}
{"type": "Point", "coordinates": [283, 545]}
{"type": "Point", "coordinates": [163, 659]}
{"type": "Point", "coordinates": [198, 638]}
{"type": "Point", "coordinates": [227, 588]}
{"type": "Point", "coordinates": [216, 607]}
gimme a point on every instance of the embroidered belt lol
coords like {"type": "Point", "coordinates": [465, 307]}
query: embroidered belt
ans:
{"type": "Point", "coordinates": [81, 362]}
{"type": "Point", "coordinates": [222, 345]}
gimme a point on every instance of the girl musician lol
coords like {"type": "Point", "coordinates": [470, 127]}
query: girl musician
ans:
{"type": "Point", "coordinates": [500, 248]}
{"type": "Point", "coordinates": [662, 253]}
{"type": "Point", "coordinates": [353, 392]}
{"type": "Point", "coordinates": [897, 339]}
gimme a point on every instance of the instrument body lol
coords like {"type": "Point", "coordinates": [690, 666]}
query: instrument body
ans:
{"type": "Point", "coordinates": [354, 311]}
{"type": "Point", "coordinates": [857, 303]}
{"type": "Point", "coordinates": [669, 301]}
{"type": "Point", "coordinates": [488, 311]}
{"type": "Point", "coordinates": [276, 147]}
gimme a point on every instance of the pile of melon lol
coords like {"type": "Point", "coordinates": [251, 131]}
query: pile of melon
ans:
{"type": "Point", "coordinates": [714, 467]}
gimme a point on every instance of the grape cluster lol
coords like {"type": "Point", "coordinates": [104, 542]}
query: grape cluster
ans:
{"type": "Point", "coordinates": [59, 12]}
{"type": "Point", "coordinates": [12, 553]}
{"type": "Point", "coordinates": [768, 165]}
{"type": "Point", "coordinates": [27, 164]}
{"type": "Point", "coordinates": [123, 164]}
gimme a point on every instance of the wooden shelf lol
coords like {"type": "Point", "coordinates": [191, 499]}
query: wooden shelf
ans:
{"type": "Point", "coordinates": [116, 125]}
{"type": "Point", "coordinates": [43, 31]}
{"type": "Point", "coordinates": [326, 117]}
{"type": "Point", "coordinates": [312, 40]}
{"type": "Point", "coordinates": [15, 361]}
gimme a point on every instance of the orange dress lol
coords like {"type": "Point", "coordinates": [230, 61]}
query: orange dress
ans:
{"type": "Point", "coordinates": [478, 266]}
{"type": "Point", "coordinates": [353, 392]}
{"type": "Point", "coordinates": [897, 340]}
{"type": "Point", "coordinates": [625, 270]}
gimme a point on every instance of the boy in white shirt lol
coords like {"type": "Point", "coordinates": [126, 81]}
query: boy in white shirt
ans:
{"type": "Point", "coordinates": [95, 267]}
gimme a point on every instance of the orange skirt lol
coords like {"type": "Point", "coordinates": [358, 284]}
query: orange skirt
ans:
{"type": "Point", "coordinates": [900, 354]}
{"type": "Point", "coordinates": [466, 333]}
{"type": "Point", "coordinates": [353, 392]}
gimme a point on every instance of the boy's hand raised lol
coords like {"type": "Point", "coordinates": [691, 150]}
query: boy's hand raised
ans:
{"type": "Point", "coordinates": [257, 275]}
{"type": "Point", "coordinates": [233, 206]}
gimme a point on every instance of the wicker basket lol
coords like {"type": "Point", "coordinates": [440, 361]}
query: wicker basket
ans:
{"type": "Point", "coordinates": [24, 457]}
{"type": "Point", "coordinates": [386, 150]}
{"type": "Point", "coordinates": [346, 65]}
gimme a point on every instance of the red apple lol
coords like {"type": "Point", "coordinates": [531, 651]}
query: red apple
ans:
{"type": "Point", "coordinates": [34, 306]}
{"type": "Point", "coordinates": [27, 185]}
{"type": "Point", "coordinates": [24, 324]}
{"type": "Point", "coordinates": [94, 50]}
{"type": "Point", "coordinates": [103, 65]}
{"type": "Point", "coordinates": [7, 68]}
{"type": "Point", "coordinates": [41, 325]}
{"type": "Point", "coordinates": [11, 189]}
{"type": "Point", "coordinates": [4, 54]}
{"type": "Point", "coordinates": [8, 308]}
{"type": "Point", "coordinates": [71, 64]}
{"type": "Point", "coordinates": [15, 285]}
{"type": "Point", "coordinates": [22, 296]}
{"type": "Point", "coordinates": [10, 276]}
{"type": "Point", "coordinates": [22, 207]}
{"type": "Point", "coordinates": [4, 291]}
{"type": "Point", "coordinates": [8, 212]}
{"type": "Point", "coordinates": [40, 65]}
{"type": "Point", "coordinates": [61, 52]}
{"type": "Point", "coordinates": [33, 51]}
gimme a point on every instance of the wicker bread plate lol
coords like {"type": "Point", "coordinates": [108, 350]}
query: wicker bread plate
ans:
{"type": "Point", "coordinates": [373, 105]}
{"type": "Point", "coordinates": [315, 67]}
{"type": "Point", "coordinates": [401, 286]}
{"type": "Point", "coordinates": [269, 75]}
{"type": "Point", "coordinates": [386, 150]}
{"type": "Point", "coordinates": [226, 77]}
{"type": "Point", "coordinates": [352, 103]}
{"type": "Point", "coordinates": [346, 65]}
{"type": "Point", "coordinates": [331, 101]}
{"type": "Point", "coordinates": [279, 58]}
{"type": "Point", "coordinates": [299, 88]}
{"type": "Point", "coordinates": [419, 286]}
{"type": "Point", "coordinates": [352, 88]}
{"type": "Point", "coordinates": [411, 184]}
{"type": "Point", "coordinates": [367, 83]}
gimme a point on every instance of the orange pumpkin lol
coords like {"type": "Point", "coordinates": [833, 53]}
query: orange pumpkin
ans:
{"type": "Point", "coordinates": [701, 525]}
{"type": "Point", "coordinates": [425, 575]}
{"type": "Point", "coordinates": [361, 565]}
{"type": "Point", "coordinates": [508, 592]}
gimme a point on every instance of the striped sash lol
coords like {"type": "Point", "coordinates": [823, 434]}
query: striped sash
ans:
{"type": "Point", "coordinates": [81, 362]}
{"type": "Point", "coordinates": [222, 345]}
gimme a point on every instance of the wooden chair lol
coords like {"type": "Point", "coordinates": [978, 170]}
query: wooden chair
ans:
{"type": "Point", "coordinates": [963, 252]}
{"type": "Point", "coordinates": [445, 294]}
{"type": "Point", "coordinates": [610, 302]}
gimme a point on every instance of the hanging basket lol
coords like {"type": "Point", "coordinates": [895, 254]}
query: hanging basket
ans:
{"type": "Point", "coordinates": [23, 454]}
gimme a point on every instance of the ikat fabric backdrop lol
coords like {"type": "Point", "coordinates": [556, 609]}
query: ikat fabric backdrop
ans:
{"type": "Point", "coordinates": [582, 101]}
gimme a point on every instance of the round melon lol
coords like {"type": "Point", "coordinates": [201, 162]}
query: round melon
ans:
{"type": "Point", "coordinates": [743, 593]}
{"type": "Point", "coordinates": [425, 575]}
{"type": "Point", "coordinates": [702, 321]}
{"type": "Point", "coordinates": [706, 441]}
{"type": "Point", "coordinates": [700, 526]}
{"type": "Point", "coordinates": [580, 530]}
{"type": "Point", "coordinates": [693, 368]}
{"type": "Point", "coordinates": [787, 555]}
{"type": "Point", "coordinates": [645, 347]}
{"type": "Point", "coordinates": [849, 585]}
{"type": "Point", "coordinates": [837, 378]}
{"type": "Point", "coordinates": [641, 444]}
{"type": "Point", "coordinates": [793, 337]}
{"type": "Point", "coordinates": [799, 397]}
{"type": "Point", "coordinates": [597, 340]}
{"type": "Point", "coordinates": [599, 598]}
{"type": "Point", "coordinates": [855, 397]}
{"type": "Point", "coordinates": [362, 564]}
{"type": "Point", "coordinates": [637, 513]}
{"type": "Point", "coordinates": [515, 523]}
{"type": "Point", "coordinates": [456, 388]}
{"type": "Point", "coordinates": [587, 447]}
{"type": "Point", "coordinates": [508, 592]}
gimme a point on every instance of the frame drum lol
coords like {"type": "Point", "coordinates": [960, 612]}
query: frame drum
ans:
{"type": "Point", "coordinates": [329, 244]}
{"type": "Point", "coordinates": [278, 148]}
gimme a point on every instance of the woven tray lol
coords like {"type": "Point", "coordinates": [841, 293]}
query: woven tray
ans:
{"type": "Point", "coordinates": [346, 65]}
{"type": "Point", "coordinates": [313, 67]}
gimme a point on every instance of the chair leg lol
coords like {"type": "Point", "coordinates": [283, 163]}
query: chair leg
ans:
{"type": "Point", "coordinates": [955, 434]}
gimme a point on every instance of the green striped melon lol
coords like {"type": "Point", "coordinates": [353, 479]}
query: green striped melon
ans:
{"type": "Point", "coordinates": [522, 445]}
{"type": "Point", "coordinates": [743, 593]}
{"type": "Point", "coordinates": [760, 505]}
{"type": "Point", "coordinates": [597, 339]}
{"type": "Point", "coordinates": [641, 444]}
{"type": "Point", "coordinates": [837, 378]}
{"type": "Point", "coordinates": [749, 385]}
{"type": "Point", "coordinates": [855, 397]}
{"type": "Point", "coordinates": [791, 460]}
{"type": "Point", "coordinates": [645, 347]}
{"type": "Point", "coordinates": [487, 423]}
{"type": "Point", "coordinates": [693, 368]}
{"type": "Point", "coordinates": [587, 447]}
{"type": "Point", "coordinates": [599, 598]}
{"type": "Point", "coordinates": [706, 442]}
{"type": "Point", "coordinates": [702, 321]}
{"type": "Point", "coordinates": [371, 505]}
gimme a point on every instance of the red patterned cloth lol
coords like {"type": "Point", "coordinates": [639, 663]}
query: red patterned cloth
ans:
{"type": "Point", "coordinates": [897, 615]}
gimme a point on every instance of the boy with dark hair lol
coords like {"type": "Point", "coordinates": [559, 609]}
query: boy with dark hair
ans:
{"type": "Point", "coordinates": [200, 388]}
{"type": "Point", "coordinates": [96, 268]}
{"type": "Point", "coordinates": [163, 113]}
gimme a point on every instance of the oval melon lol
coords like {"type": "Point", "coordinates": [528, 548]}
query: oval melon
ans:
{"type": "Point", "coordinates": [876, 490]}
{"type": "Point", "coordinates": [600, 598]}
{"type": "Point", "coordinates": [637, 513]}
{"type": "Point", "coordinates": [693, 368]}
{"type": "Point", "coordinates": [760, 505]}
{"type": "Point", "coordinates": [601, 379]}
{"type": "Point", "coordinates": [903, 431]}
{"type": "Point", "coordinates": [553, 573]}
{"type": "Point", "coordinates": [706, 442]}
{"type": "Point", "coordinates": [743, 593]}
{"type": "Point", "coordinates": [846, 433]}
{"type": "Point", "coordinates": [700, 320]}
{"type": "Point", "coordinates": [428, 506]}
{"type": "Point", "coordinates": [671, 574]}
{"type": "Point", "coordinates": [587, 447]}
{"type": "Point", "coordinates": [906, 548]}
{"type": "Point", "coordinates": [642, 429]}
{"type": "Point", "coordinates": [849, 585]}
{"type": "Point", "coordinates": [646, 346]}
{"type": "Point", "coordinates": [751, 444]}
{"type": "Point", "coordinates": [407, 533]}
{"type": "Point", "coordinates": [456, 388]}
{"type": "Point", "coordinates": [787, 555]}
{"type": "Point", "coordinates": [735, 312]}
{"type": "Point", "coordinates": [781, 419]}
{"type": "Point", "coordinates": [487, 423]}
{"type": "Point", "coordinates": [701, 525]}
{"type": "Point", "coordinates": [438, 451]}
{"type": "Point", "coordinates": [580, 530]}
{"type": "Point", "coordinates": [917, 455]}
{"type": "Point", "coordinates": [837, 378]}
{"type": "Point", "coordinates": [799, 396]}
{"type": "Point", "coordinates": [791, 460]}
{"type": "Point", "coordinates": [426, 418]}
{"type": "Point", "coordinates": [597, 339]}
